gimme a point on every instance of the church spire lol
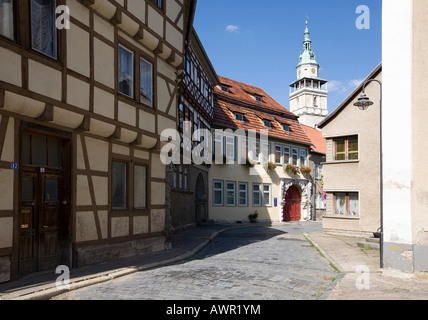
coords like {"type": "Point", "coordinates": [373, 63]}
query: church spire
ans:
{"type": "Point", "coordinates": [308, 56]}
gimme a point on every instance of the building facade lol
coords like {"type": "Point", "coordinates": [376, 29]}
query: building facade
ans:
{"type": "Point", "coordinates": [317, 156]}
{"type": "Point", "coordinates": [254, 141]}
{"type": "Point", "coordinates": [405, 39]}
{"type": "Point", "coordinates": [308, 94]}
{"type": "Point", "coordinates": [81, 112]}
{"type": "Point", "coordinates": [189, 183]}
{"type": "Point", "coordinates": [351, 172]}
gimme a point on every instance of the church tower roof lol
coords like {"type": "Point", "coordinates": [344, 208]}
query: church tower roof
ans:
{"type": "Point", "coordinates": [308, 56]}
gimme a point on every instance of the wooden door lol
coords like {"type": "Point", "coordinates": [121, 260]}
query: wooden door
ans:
{"type": "Point", "coordinates": [44, 196]}
{"type": "Point", "coordinates": [292, 208]}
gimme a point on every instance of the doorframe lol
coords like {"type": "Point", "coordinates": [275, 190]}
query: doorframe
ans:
{"type": "Point", "coordinates": [22, 127]}
{"type": "Point", "coordinates": [302, 186]}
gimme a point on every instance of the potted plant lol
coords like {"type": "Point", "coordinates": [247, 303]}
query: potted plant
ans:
{"type": "Point", "coordinates": [305, 170]}
{"type": "Point", "coordinates": [291, 169]}
{"type": "Point", "coordinates": [269, 166]}
{"type": "Point", "coordinates": [253, 217]}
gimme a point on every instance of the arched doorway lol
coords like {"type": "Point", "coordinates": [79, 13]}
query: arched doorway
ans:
{"type": "Point", "coordinates": [292, 207]}
{"type": "Point", "coordinates": [201, 201]}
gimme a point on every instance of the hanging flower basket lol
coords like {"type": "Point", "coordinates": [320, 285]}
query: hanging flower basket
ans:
{"type": "Point", "coordinates": [305, 170]}
{"type": "Point", "coordinates": [291, 169]}
{"type": "Point", "coordinates": [269, 166]}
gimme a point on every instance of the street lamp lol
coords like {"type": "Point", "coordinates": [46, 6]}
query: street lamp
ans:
{"type": "Point", "coordinates": [364, 103]}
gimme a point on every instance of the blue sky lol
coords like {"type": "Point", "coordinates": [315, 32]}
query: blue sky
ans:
{"type": "Point", "coordinates": [259, 42]}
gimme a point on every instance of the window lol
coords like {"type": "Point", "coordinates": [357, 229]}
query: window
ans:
{"type": "Point", "coordinates": [265, 152]}
{"type": "Point", "coordinates": [286, 127]}
{"type": "Point", "coordinates": [181, 116]}
{"type": "Point", "coordinates": [140, 187]}
{"type": "Point", "coordinates": [295, 157]}
{"type": "Point", "coordinates": [119, 185]}
{"type": "Point", "coordinates": [286, 155]}
{"type": "Point", "coordinates": [303, 157]}
{"type": "Point", "coordinates": [257, 195]}
{"type": "Point", "coordinates": [318, 172]}
{"type": "Point", "coordinates": [43, 29]}
{"type": "Point", "coordinates": [243, 194]}
{"type": "Point", "coordinates": [267, 123]}
{"type": "Point", "coordinates": [230, 148]}
{"type": "Point", "coordinates": [255, 150]}
{"type": "Point", "coordinates": [225, 89]}
{"type": "Point", "coordinates": [230, 194]}
{"type": "Point", "coordinates": [267, 195]}
{"type": "Point", "coordinates": [278, 154]}
{"type": "Point", "coordinates": [320, 203]}
{"type": "Point", "coordinates": [158, 3]}
{"type": "Point", "coordinates": [262, 195]}
{"type": "Point", "coordinates": [239, 116]}
{"type": "Point", "coordinates": [217, 193]}
{"type": "Point", "coordinates": [126, 72]}
{"type": "Point", "coordinates": [346, 204]}
{"type": "Point", "coordinates": [258, 98]}
{"type": "Point", "coordinates": [146, 82]}
{"type": "Point", "coordinates": [6, 18]}
{"type": "Point", "coordinates": [244, 149]}
{"type": "Point", "coordinates": [218, 143]}
{"type": "Point", "coordinates": [346, 149]}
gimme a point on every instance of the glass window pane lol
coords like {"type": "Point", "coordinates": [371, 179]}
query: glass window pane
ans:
{"type": "Point", "coordinates": [51, 190]}
{"type": "Point", "coordinates": [38, 151]}
{"type": "Point", "coordinates": [118, 185]}
{"type": "Point", "coordinates": [353, 149]}
{"type": "Point", "coordinates": [286, 155]}
{"type": "Point", "coordinates": [295, 157]}
{"type": "Point", "coordinates": [278, 154]}
{"type": "Point", "coordinates": [6, 18]}
{"type": "Point", "coordinates": [340, 150]}
{"type": "Point", "coordinates": [146, 82]}
{"type": "Point", "coordinates": [341, 203]}
{"type": "Point", "coordinates": [230, 194]}
{"type": "Point", "coordinates": [217, 197]}
{"type": "Point", "coordinates": [43, 29]}
{"type": "Point", "coordinates": [140, 187]}
{"type": "Point", "coordinates": [54, 154]}
{"type": "Point", "coordinates": [126, 72]}
{"type": "Point", "coordinates": [354, 205]}
{"type": "Point", "coordinates": [27, 189]}
{"type": "Point", "coordinates": [302, 157]}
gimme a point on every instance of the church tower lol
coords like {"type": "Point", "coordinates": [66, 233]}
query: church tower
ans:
{"type": "Point", "coordinates": [308, 94]}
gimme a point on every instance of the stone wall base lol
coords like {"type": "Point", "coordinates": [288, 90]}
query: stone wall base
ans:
{"type": "Point", "coordinates": [406, 257]}
{"type": "Point", "coordinates": [97, 254]}
{"type": "Point", "coordinates": [4, 269]}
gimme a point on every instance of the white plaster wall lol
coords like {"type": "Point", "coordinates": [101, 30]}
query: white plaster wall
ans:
{"type": "Point", "coordinates": [397, 96]}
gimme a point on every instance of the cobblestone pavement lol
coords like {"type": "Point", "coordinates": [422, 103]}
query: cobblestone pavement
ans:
{"type": "Point", "coordinates": [253, 263]}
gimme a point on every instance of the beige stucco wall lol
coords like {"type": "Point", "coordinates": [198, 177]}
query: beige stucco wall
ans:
{"type": "Point", "coordinates": [362, 176]}
{"type": "Point", "coordinates": [242, 173]}
{"type": "Point", "coordinates": [419, 124]}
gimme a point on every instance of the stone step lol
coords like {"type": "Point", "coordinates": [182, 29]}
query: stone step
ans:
{"type": "Point", "coordinates": [368, 245]}
{"type": "Point", "coordinates": [374, 240]}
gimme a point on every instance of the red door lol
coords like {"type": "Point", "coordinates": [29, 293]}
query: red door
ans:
{"type": "Point", "coordinates": [292, 205]}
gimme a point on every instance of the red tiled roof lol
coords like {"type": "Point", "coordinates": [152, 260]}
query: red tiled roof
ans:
{"type": "Point", "coordinates": [244, 93]}
{"type": "Point", "coordinates": [255, 112]}
{"type": "Point", "coordinates": [318, 142]}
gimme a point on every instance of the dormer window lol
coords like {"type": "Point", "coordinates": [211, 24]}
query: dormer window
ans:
{"type": "Point", "coordinates": [286, 127]}
{"type": "Point", "coordinates": [225, 89]}
{"type": "Point", "coordinates": [239, 116]}
{"type": "Point", "coordinates": [258, 98]}
{"type": "Point", "coordinates": [267, 123]}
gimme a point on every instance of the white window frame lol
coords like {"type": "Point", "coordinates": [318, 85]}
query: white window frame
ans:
{"type": "Point", "coordinates": [218, 138]}
{"type": "Point", "coordinates": [295, 151]}
{"type": "Point", "coordinates": [221, 190]}
{"type": "Point", "coordinates": [245, 192]}
{"type": "Point", "coordinates": [230, 190]}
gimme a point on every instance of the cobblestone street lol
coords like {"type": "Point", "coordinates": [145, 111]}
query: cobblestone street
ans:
{"type": "Point", "coordinates": [252, 263]}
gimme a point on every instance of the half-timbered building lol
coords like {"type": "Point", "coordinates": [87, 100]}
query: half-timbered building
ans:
{"type": "Point", "coordinates": [85, 91]}
{"type": "Point", "coordinates": [189, 187]}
